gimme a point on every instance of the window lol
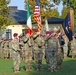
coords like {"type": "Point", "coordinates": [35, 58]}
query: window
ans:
{"type": "Point", "coordinates": [8, 33]}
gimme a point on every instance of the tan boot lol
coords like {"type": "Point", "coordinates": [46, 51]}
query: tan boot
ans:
{"type": "Point", "coordinates": [27, 70]}
{"type": "Point", "coordinates": [30, 70]}
{"type": "Point", "coordinates": [16, 71]}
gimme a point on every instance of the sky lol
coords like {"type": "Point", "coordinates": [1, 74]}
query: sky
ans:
{"type": "Point", "coordinates": [20, 4]}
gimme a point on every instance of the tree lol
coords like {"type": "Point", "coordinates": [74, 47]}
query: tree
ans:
{"type": "Point", "coordinates": [64, 12]}
{"type": "Point", "coordinates": [72, 4]}
{"type": "Point", "coordinates": [5, 18]}
{"type": "Point", "coordinates": [44, 5]}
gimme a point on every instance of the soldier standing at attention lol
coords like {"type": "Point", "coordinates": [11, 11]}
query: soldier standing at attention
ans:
{"type": "Point", "coordinates": [6, 49]}
{"type": "Point", "coordinates": [2, 48]}
{"type": "Point", "coordinates": [59, 53]}
{"type": "Point", "coordinates": [28, 52]}
{"type": "Point", "coordinates": [73, 47]}
{"type": "Point", "coordinates": [10, 48]}
{"type": "Point", "coordinates": [38, 54]}
{"type": "Point", "coordinates": [65, 45]}
{"type": "Point", "coordinates": [16, 53]}
{"type": "Point", "coordinates": [51, 51]}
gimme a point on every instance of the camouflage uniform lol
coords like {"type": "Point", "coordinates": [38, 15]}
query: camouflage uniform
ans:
{"type": "Point", "coordinates": [51, 53]}
{"type": "Point", "coordinates": [38, 53]}
{"type": "Point", "coordinates": [6, 49]}
{"type": "Point", "coordinates": [10, 49]}
{"type": "Point", "coordinates": [23, 49]}
{"type": "Point", "coordinates": [16, 54]}
{"type": "Point", "coordinates": [28, 53]}
{"type": "Point", "coordinates": [43, 46]}
{"type": "Point", "coordinates": [2, 49]}
{"type": "Point", "coordinates": [73, 47]}
{"type": "Point", "coordinates": [60, 56]}
{"type": "Point", "coordinates": [65, 46]}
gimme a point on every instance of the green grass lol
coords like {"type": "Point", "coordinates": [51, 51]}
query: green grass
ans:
{"type": "Point", "coordinates": [68, 68]}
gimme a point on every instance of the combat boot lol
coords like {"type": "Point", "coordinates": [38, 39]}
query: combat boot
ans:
{"type": "Point", "coordinates": [27, 70]}
{"type": "Point", "coordinates": [53, 70]}
{"type": "Point", "coordinates": [16, 71]}
{"type": "Point", "coordinates": [30, 70]}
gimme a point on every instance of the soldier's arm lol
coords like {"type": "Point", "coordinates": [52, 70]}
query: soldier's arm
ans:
{"type": "Point", "coordinates": [25, 40]}
{"type": "Point", "coordinates": [35, 36]}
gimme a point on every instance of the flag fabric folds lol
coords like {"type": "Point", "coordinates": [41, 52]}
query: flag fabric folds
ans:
{"type": "Point", "coordinates": [37, 15]}
{"type": "Point", "coordinates": [66, 27]}
{"type": "Point", "coordinates": [29, 23]}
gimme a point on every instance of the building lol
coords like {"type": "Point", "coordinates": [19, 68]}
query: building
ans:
{"type": "Point", "coordinates": [20, 17]}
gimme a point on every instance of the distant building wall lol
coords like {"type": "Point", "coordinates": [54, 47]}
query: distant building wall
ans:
{"type": "Point", "coordinates": [20, 29]}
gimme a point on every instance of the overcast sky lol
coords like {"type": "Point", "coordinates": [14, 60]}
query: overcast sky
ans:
{"type": "Point", "coordinates": [20, 4]}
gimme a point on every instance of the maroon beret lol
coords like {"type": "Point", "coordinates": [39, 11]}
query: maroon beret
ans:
{"type": "Point", "coordinates": [15, 34]}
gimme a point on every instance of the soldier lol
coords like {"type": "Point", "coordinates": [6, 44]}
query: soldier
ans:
{"type": "Point", "coordinates": [59, 53]}
{"type": "Point", "coordinates": [43, 45]}
{"type": "Point", "coordinates": [2, 48]}
{"type": "Point", "coordinates": [16, 53]}
{"type": "Point", "coordinates": [38, 54]}
{"type": "Point", "coordinates": [73, 47]}
{"type": "Point", "coordinates": [51, 51]}
{"type": "Point", "coordinates": [21, 44]}
{"type": "Point", "coordinates": [6, 49]}
{"type": "Point", "coordinates": [65, 47]}
{"type": "Point", "coordinates": [28, 52]}
{"type": "Point", "coordinates": [22, 47]}
{"type": "Point", "coordinates": [61, 41]}
{"type": "Point", "coordinates": [10, 48]}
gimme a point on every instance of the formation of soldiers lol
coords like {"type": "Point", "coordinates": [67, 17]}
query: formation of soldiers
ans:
{"type": "Point", "coordinates": [53, 47]}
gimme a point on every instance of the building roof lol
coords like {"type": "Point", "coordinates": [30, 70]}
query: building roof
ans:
{"type": "Point", "coordinates": [55, 20]}
{"type": "Point", "coordinates": [20, 16]}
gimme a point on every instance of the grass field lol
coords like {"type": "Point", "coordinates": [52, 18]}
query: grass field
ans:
{"type": "Point", "coordinates": [68, 68]}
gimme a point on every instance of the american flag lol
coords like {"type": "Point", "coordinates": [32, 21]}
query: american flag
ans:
{"type": "Point", "coordinates": [37, 15]}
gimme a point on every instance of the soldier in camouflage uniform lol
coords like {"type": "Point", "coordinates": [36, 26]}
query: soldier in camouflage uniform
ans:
{"type": "Point", "coordinates": [2, 49]}
{"type": "Point", "coordinates": [51, 51]}
{"type": "Point", "coordinates": [59, 53]}
{"type": "Point", "coordinates": [23, 51]}
{"type": "Point", "coordinates": [10, 48]}
{"type": "Point", "coordinates": [73, 47]}
{"type": "Point", "coordinates": [28, 52]}
{"type": "Point", "coordinates": [43, 45]}
{"type": "Point", "coordinates": [6, 49]}
{"type": "Point", "coordinates": [37, 49]}
{"type": "Point", "coordinates": [65, 46]}
{"type": "Point", "coordinates": [16, 53]}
